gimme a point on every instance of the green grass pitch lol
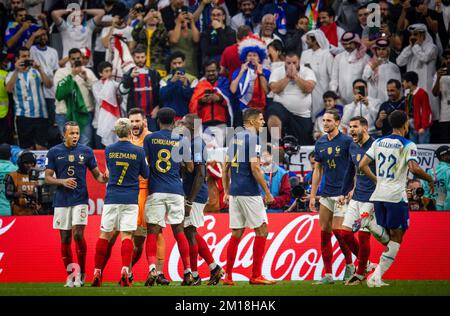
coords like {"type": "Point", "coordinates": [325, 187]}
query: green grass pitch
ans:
{"type": "Point", "coordinates": [284, 288]}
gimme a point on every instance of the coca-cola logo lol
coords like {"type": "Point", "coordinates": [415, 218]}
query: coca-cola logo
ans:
{"type": "Point", "coordinates": [3, 231]}
{"type": "Point", "coordinates": [293, 253]}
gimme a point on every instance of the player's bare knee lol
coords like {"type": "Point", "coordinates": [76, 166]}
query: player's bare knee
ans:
{"type": "Point", "coordinates": [106, 235]}
{"type": "Point", "coordinates": [177, 228]}
{"type": "Point", "coordinates": [261, 231]}
{"type": "Point", "coordinates": [66, 236]}
{"type": "Point", "coordinates": [237, 233]}
{"type": "Point", "coordinates": [126, 235]}
{"type": "Point", "coordinates": [78, 233]}
{"type": "Point", "coordinates": [396, 235]}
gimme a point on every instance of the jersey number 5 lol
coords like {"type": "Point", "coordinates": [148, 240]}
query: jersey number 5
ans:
{"type": "Point", "coordinates": [124, 170]}
{"type": "Point", "coordinates": [165, 159]}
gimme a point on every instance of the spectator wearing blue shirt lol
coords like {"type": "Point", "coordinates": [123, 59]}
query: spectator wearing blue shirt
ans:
{"type": "Point", "coordinates": [19, 31]}
{"type": "Point", "coordinates": [178, 87]}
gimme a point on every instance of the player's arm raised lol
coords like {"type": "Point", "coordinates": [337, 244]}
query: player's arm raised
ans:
{"type": "Point", "coordinates": [70, 183]}
{"type": "Point", "coordinates": [364, 167]}
{"type": "Point", "coordinates": [316, 178]}
{"type": "Point", "coordinates": [415, 169]}
{"type": "Point", "coordinates": [257, 173]}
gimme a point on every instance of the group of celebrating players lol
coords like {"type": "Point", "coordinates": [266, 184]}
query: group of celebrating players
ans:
{"type": "Point", "coordinates": [154, 179]}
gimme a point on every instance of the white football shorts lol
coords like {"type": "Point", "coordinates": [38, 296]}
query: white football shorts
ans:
{"type": "Point", "coordinates": [164, 208]}
{"type": "Point", "coordinates": [355, 210]}
{"type": "Point", "coordinates": [196, 217]}
{"type": "Point", "coordinates": [119, 217]}
{"type": "Point", "coordinates": [65, 218]}
{"type": "Point", "coordinates": [247, 211]}
{"type": "Point", "coordinates": [332, 204]}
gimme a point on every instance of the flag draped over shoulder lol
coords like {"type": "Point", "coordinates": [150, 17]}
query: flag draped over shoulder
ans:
{"type": "Point", "coordinates": [109, 112]}
{"type": "Point", "coordinates": [68, 91]}
{"type": "Point", "coordinates": [122, 59]}
{"type": "Point", "coordinates": [250, 92]}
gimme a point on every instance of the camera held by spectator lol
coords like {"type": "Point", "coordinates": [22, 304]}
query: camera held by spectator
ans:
{"type": "Point", "coordinates": [416, 199]}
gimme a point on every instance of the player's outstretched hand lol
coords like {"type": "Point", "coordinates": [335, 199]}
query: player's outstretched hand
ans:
{"type": "Point", "coordinates": [70, 183]}
{"type": "Point", "coordinates": [226, 198]}
{"type": "Point", "coordinates": [341, 200]}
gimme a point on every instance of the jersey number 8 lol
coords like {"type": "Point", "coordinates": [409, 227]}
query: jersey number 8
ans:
{"type": "Point", "coordinates": [165, 159]}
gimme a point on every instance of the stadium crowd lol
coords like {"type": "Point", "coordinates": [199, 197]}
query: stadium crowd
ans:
{"type": "Point", "coordinates": [92, 61]}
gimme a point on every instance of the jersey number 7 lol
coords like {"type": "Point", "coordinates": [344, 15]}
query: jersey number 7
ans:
{"type": "Point", "coordinates": [124, 170]}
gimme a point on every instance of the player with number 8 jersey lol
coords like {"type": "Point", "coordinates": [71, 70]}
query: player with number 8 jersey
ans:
{"type": "Point", "coordinates": [166, 151]}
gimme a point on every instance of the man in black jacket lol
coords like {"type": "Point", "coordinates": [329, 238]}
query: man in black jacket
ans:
{"type": "Point", "coordinates": [141, 84]}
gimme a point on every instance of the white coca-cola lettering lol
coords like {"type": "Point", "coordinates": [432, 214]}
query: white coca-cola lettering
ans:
{"type": "Point", "coordinates": [2, 232]}
{"type": "Point", "coordinates": [294, 263]}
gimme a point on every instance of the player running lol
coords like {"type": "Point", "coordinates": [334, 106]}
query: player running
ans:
{"type": "Point", "coordinates": [331, 154]}
{"type": "Point", "coordinates": [243, 195]}
{"type": "Point", "coordinates": [393, 156]}
{"type": "Point", "coordinates": [357, 196]}
{"type": "Point", "coordinates": [165, 204]}
{"type": "Point", "coordinates": [125, 162]}
{"type": "Point", "coordinates": [196, 192]}
{"type": "Point", "coordinates": [69, 161]}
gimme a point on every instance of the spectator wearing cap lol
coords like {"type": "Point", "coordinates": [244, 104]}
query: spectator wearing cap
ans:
{"type": "Point", "coordinates": [118, 42]}
{"type": "Point", "coordinates": [319, 59]}
{"type": "Point", "coordinates": [250, 83]}
{"type": "Point", "coordinates": [26, 84]}
{"type": "Point", "coordinates": [245, 17]}
{"type": "Point", "coordinates": [217, 37]}
{"type": "Point", "coordinates": [420, 56]}
{"type": "Point", "coordinates": [6, 166]}
{"type": "Point", "coordinates": [77, 31]}
{"type": "Point", "coordinates": [185, 38]}
{"type": "Point", "coordinates": [348, 66]}
{"type": "Point", "coordinates": [441, 88]}
{"type": "Point", "coordinates": [380, 70]}
{"type": "Point", "coordinates": [230, 60]}
{"type": "Point", "coordinates": [152, 35]}
{"type": "Point", "coordinates": [441, 177]}
{"type": "Point", "coordinates": [395, 101]}
{"type": "Point", "coordinates": [417, 109]}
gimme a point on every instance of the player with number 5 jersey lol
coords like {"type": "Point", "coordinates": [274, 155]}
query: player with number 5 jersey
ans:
{"type": "Point", "coordinates": [166, 152]}
{"type": "Point", "coordinates": [394, 155]}
{"type": "Point", "coordinates": [69, 161]}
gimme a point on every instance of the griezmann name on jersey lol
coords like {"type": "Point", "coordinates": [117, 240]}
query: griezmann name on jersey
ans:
{"type": "Point", "coordinates": [197, 148]}
{"type": "Point", "coordinates": [125, 162]}
{"type": "Point", "coordinates": [333, 155]}
{"type": "Point", "coordinates": [71, 163]}
{"type": "Point", "coordinates": [391, 155]}
{"type": "Point", "coordinates": [244, 147]}
{"type": "Point", "coordinates": [164, 170]}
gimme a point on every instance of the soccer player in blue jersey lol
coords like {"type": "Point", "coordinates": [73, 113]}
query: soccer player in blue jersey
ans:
{"type": "Point", "coordinates": [358, 198]}
{"type": "Point", "coordinates": [196, 196]}
{"type": "Point", "coordinates": [331, 154]}
{"type": "Point", "coordinates": [125, 162]}
{"type": "Point", "coordinates": [394, 155]}
{"type": "Point", "coordinates": [166, 152]}
{"type": "Point", "coordinates": [247, 208]}
{"type": "Point", "coordinates": [69, 161]}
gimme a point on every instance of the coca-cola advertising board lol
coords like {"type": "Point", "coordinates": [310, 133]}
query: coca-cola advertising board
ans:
{"type": "Point", "coordinates": [30, 250]}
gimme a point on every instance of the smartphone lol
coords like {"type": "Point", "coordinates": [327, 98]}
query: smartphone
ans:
{"type": "Point", "coordinates": [27, 63]}
{"type": "Point", "coordinates": [181, 71]}
{"type": "Point", "coordinates": [362, 91]}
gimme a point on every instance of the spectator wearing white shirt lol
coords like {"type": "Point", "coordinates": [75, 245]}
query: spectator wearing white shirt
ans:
{"type": "Point", "coordinates": [245, 16]}
{"type": "Point", "coordinates": [441, 88]}
{"type": "Point", "coordinates": [292, 86]}
{"type": "Point", "coordinates": [364, 106]}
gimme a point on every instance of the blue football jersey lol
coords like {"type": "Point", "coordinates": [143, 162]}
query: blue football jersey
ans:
{"type": "Point", "coordinates": [244, 147]}
{"type": "Point", "coordinates": [160, 148]}
{"type": "Point", "coordinates": [125, 163]}
{"type": "Point", "coordinates": [71, 163]}
{"type": "Point", "coordinates": [364, 186]}
{"type": "Point", "coordinates": [197, 148]}
{"type": "Point", "coordinates": [333, 156]}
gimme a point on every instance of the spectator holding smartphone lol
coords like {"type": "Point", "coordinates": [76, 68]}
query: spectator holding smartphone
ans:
{"type": "Point", "coordinates": [26, 84]}
{"type": "Point", "coordinates": [396, 101]}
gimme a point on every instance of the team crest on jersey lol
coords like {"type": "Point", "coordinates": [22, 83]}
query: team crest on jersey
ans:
{"type": "Point", "coordinates": [330, 150]}
{"type": "Point", "coordinates": [338, 150]}
{"type": "Point", "coordinates": [358, 157]}
{"type": "Point", "coordinates": [81, 156]}
{"type": "Point", "coordinates": [71, 158]}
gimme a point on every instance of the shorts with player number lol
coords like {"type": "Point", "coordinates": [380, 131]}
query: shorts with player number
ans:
{"type": "Point", "coordinates": [354, 211]}
{"type": "Point", "coordinates": [392, 215]}
{"type": "Point", "coordinates": [65, 218]}
{"type": "Point", "coordinates": [119, 217]}
{"type": "Point", "coordinates": [247, 211]}
{"type": "Point", "coordinates": [164, 208]}
{"type": "Point", "coordinates": [332, 204]}
{"type": "Point", "coordinates": [196, 217]}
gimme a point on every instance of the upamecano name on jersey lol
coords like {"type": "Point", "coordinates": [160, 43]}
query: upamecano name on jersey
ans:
{"type": "Point", "coordinates": [121, 155]}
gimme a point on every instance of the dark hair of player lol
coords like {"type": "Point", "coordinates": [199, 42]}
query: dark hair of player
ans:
{"type": "Point", "coordinates": [74, 51]}
{"type": "Point", "coordinates": [359, 80]}
{"type": "Point", "coordinates": [70, 123]}
{"type": "Point", "coordinates": [135, 111]}
{"type": "Point", "coordinates": [166, 116]}
{"type": "Point", "coordinates": [397, 83]}
{"type": "Point", "coordinates": [250, 114]}
{"type": "Point", "coordinates": [103, 65]}
{"type": "Point", "coordinates": [361, 120]}
{"type": "Point", "coordinates": [411, 76]}
{"type": "Point", "coordinates": [397, 119]}
{"type": "Point", "coordinates": [335, 114]}
{"type": "Point", "coordinates": [330, 95]}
